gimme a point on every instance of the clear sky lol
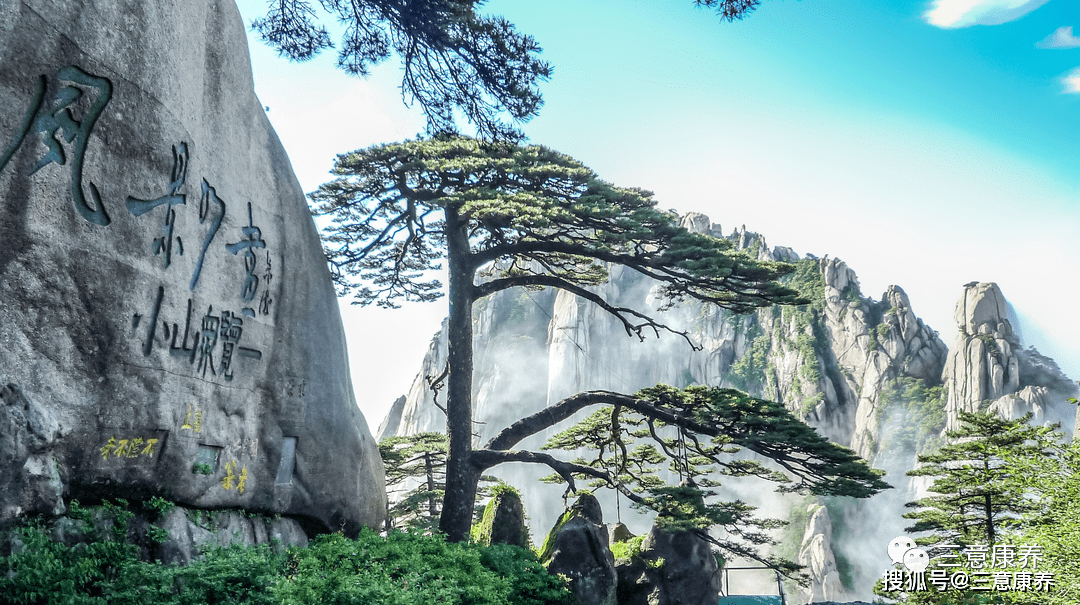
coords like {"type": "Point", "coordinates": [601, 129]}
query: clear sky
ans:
{"type": "Point", "coordinates": [927, 143]}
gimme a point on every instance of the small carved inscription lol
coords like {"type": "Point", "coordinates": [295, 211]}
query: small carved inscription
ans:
{"type": "Point", "coordinates": [128, 448]}
{"type": "Point", "coordinates": [246, 446]}
{"type": "Point", "coordinates": [294, 387]}
{"type": "Point", "coordinates": [241, 479]}
{"type": "Point", "coordinates": [266, 301]}
{"type": "Point", "coordinates": [190, 423]}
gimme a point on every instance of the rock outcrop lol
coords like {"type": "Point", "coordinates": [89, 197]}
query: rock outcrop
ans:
{"type": "Point", "coordinates": [673, 568]}
{"type": "Point", "coordinates": [29, 438]}
{"type": "Point", "coordinates": [164, 297]}
{"type": "Point", "coordinates": [988, 369]}
{"type": "Point", "coordinates": [577, 547]}
{"type": "Point", "coordinates": [191, 531]}
{"type": "Point", "coordinates": [816, 554]}
{"type": "Point", "coordinates": [504, 521]}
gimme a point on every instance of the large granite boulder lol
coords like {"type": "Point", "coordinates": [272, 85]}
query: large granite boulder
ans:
{"type": "Point", "coordinates": [673, 567]}
{"type": "Point", "coordinates": [577, 547]}
{"type": "Point", "coordinates": [163, 291]}
{"type": "Point", "coordinates": [504, 520]}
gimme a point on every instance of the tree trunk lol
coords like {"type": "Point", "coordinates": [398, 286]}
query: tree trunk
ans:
{"type": "Point", "coordinates": [461, 476]}
{"type": "Point", "coordinates": [430, 484]}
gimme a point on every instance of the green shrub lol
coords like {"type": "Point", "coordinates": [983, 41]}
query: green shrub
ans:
{"type": "Point", "coordinates": [44, 572]}
{"type": "Point", "coordinates": [410, 568]}
{"type": "Point", "coordinates": [402, 568]}
{"type": "Point", "coordinates": [883, 331]}
{"type": "Point", "coordinates": [627, 549]}
{"type": "Point", "coordinates": [159, 504]}
{"type": "Point", "coordinates": [530, 583]}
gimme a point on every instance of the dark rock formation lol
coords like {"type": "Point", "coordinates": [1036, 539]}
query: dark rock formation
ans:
{"type": "Point", "coordinates": [163, 290]}
{"type": "Point", "coordinates": [673, 568]}
{"type": "Point", "coordinates": [578, 547]}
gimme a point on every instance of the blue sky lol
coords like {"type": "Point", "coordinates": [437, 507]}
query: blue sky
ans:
{"type": "Point", "coordinates": [925, 143]}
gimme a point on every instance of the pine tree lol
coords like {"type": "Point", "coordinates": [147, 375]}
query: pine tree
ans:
{"type": "Point", "coordinates": [629, 447]}
{"type": "Point", "coordinates": [976, 495]}
{"type": "Point", "coordinates": [506, 216]}
{"type": "Point", "coordinates": [454, 58]}
{"type": "Point", "coordinates": [421, 460]}
{"type": "Point", "coordinates": [421, 457]}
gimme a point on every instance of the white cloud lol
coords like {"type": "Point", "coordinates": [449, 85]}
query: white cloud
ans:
{"type": "Point", "coordinates": [951, 14]}
{"type": "Point", "coordinates": [1072, 82]}
{"type": "Point", "coordinates": [1061, 38]}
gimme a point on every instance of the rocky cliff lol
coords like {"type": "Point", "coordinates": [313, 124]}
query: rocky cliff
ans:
{"type": "Point", "coordinates": [861, 370]}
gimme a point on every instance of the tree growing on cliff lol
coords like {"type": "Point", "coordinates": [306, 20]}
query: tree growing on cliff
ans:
{"type": "Point", "coordinates": [506, 216]}
{"type": "Point", "coordinates": [453, 57]}
{"type": "Point", "coordinates": [976, 494]}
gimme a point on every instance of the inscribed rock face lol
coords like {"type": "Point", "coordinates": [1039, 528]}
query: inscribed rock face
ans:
{"type": "Point", "coordinates": [163, 290]}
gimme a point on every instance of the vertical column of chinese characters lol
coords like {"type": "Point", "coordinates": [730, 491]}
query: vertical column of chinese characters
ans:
{"type": "Point", "coordinates": [252, 239]}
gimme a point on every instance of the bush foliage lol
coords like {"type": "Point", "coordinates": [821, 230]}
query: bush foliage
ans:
{"type": "Point", "coordinates": [403, 568]}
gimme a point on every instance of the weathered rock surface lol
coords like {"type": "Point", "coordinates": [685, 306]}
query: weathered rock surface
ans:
{"type": "Point", "coordinates": [618, 532]}
{"type": "Point", "coordinates": [389, 424]}
{"type": "Point", "coordinates": [29, 434]}
{"type": "Point", "coordinates": [504, 521]}
{"type": "Point", "coordinates": [578, 547]}
{"type": "Point", "coordinates": [673, 568]}
{"type": "Point", "coordinates": [190, 531]}
{"type": "Point", "coordinates": [817, 555]}
{"type": "Point", "coordinates": [988, 369]}
{"type": "Point", "coordinates": [163, 291]}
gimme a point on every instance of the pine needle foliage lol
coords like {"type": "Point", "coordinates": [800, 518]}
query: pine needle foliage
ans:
{"type": "Point", "coordinates": [699, 432]}
{"type": "Point", "coordinates": [976, 494]}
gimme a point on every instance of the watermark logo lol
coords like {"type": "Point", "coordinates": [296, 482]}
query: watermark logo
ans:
{"type": "Point", "coordinates": [902, 550]}
{"type": "Point", "coordinates": [977, 567]}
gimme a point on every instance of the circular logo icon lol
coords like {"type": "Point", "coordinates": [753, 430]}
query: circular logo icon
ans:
{"type": "Point", "coordinates": [916, 559]}
{"type": "Point", "coordinates": [898, 546]}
